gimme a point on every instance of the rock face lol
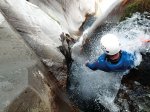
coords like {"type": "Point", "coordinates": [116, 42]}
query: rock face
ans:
{"type": "Point", "coordinates": [25, 84]}
{"type": "Point", "coordinates": [69, 14]}
{"type": "Point", "coordinates": [40, 25]}
{"type": "Point", "coordinates": [40, 32]}
{"type": "Point", "coordinates": [134, 6]}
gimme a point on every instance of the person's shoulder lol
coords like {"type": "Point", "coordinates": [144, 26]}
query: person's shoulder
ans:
{"type": "Point", "coordinates": [128, 56]}
{"type": "Point", "coordinates": [102, 57]}
{"type": "Point", "coordinates": [126, 53]}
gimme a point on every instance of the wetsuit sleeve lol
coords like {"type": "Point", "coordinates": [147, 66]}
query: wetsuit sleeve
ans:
{"type": "Point", "coordinates": [93, 66]}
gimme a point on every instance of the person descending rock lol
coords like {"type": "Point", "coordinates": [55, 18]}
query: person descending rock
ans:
{"type": "Point", "coordinates": [113, 59]}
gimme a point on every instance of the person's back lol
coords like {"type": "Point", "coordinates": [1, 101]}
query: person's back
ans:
{"type": "Point", "coordinates": [113, 59]}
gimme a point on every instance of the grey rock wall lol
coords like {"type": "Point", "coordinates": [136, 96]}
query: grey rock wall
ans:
{"type": "Point", "coordinates": [25, 84]}
{"type": "Point", "coordinates": [37, 28]}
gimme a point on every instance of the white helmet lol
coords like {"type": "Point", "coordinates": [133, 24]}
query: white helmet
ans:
{"type": "Point", "coordinates": [110, 44]}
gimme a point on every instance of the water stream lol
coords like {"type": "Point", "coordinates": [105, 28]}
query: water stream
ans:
{"type": "Point", "coordinates": [95, 91]}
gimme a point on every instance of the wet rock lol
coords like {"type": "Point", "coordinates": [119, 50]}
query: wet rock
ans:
{"type": "Point", "coordinates": [25, 83]}
{"type": "Point", "coordinates": [134, 6]}
{"type": "Point", "coordinates": [58, 70]}
{"type": "Point", "coordinates": [40, 32]}
{"type": "Point", "coordinates": [69, 14]}
{"type": "Point", "coordinates": [135, 88]}
{"type": "Point", "coordinates": [65, 49]}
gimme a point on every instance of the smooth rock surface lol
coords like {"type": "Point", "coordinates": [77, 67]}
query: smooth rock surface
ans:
{"type": "Point", "coordinates": [25, 84]}
{"type": "Point", "coordinates": [39, 30]}
{"type": "Point", "coordinates": [70, 14]}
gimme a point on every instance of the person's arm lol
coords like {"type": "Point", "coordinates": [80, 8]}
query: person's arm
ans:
{"type": "Point", "coordinates": [92, 66]}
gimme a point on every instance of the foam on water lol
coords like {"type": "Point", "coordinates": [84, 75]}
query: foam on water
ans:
{"type": "Point", "coordinates": [101, 85]}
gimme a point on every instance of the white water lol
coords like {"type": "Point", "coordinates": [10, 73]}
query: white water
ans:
{"type": "Point", "coordinates": [106, 85]}
{"type": "Point", "coordinates": [106, 7]}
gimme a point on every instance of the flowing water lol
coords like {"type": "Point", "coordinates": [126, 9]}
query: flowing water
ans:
{"type": "Point", "coordinates": [106, 7]}
{"type": "Point", "coordinates": [95, 91]}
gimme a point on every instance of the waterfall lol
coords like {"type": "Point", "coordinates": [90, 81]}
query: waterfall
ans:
{"type": "Point", "coordinates": [86, 85]}
{"type": "Point", "coordinates": [106, 7]}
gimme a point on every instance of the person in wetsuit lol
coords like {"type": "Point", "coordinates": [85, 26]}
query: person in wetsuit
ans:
{"type": "Point", "coordinates": [113, 59]}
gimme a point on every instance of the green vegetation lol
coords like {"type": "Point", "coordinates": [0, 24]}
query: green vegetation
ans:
{"type": "Point", "coordinates": [136, 6]}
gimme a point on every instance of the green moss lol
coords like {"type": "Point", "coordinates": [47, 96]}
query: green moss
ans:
{"type": "Point", "coordinates": [136, 6]}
